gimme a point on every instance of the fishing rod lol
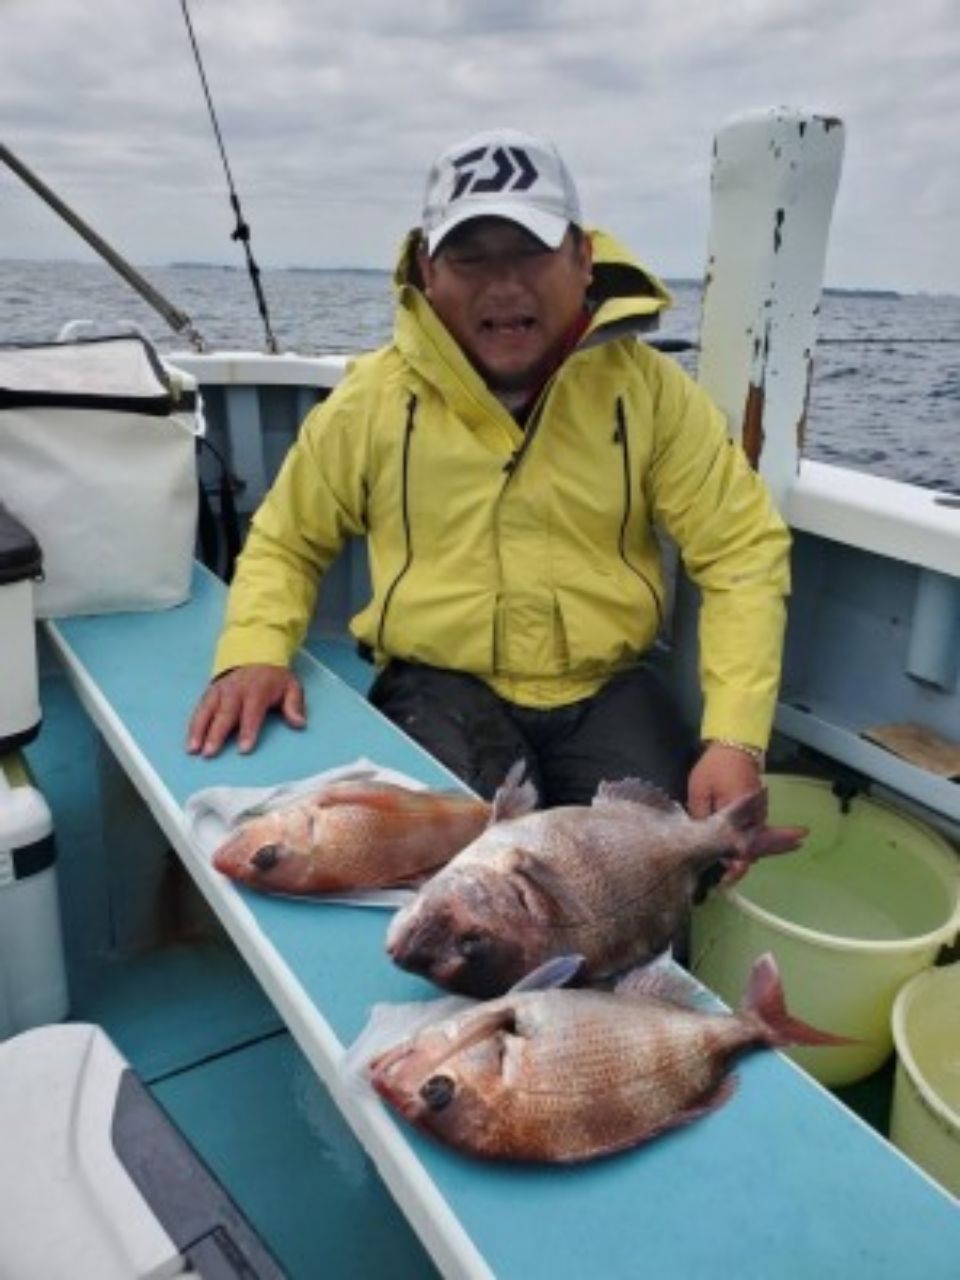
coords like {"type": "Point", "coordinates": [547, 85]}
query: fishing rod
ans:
{"type": "Point", "coordinates": [241, 231]}
{"type": "Point", "coordinates": [178, 320]}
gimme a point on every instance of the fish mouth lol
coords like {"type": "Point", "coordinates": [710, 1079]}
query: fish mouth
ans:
{"type": "Point", "coordinates": [424, 948]}
{"type": "Point", "coordinates": [395, 933]}
{"type": "Point", "coordinates": [466, 971]}
{"type": "Point", "coordinates": [403, 1100]}
{"type": "Point", "coordinates": [444, 971]}
{"type": "Point", "coordinates": [236, 858]}
{"type": "Point", "coordinates": [397, 1075]}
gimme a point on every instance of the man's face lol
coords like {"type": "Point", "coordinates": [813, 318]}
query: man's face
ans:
{"type": "Point", "coordinates": [507, 299]}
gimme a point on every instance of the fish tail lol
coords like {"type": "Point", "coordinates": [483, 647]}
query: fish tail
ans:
{"type": "Point", "coordinates": [747, 813]}
{"type": "Point", "coordinates": [750, 837]}
{"type": "Point", "coordinates": [765, 1002]}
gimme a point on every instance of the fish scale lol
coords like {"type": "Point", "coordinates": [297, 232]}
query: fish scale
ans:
{"type": "Point", "coordinates": [612, 881]}
{"type": "Point", "coordinates": [561, 1075]}
{"type": "Point", "coordinates": [351, 835]}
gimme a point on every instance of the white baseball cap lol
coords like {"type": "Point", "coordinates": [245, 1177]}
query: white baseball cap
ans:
{"type": "Point", "coordinates": [502, 173]}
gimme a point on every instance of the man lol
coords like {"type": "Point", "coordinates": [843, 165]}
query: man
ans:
{"type": "Point", "coordinates": [508, 456]}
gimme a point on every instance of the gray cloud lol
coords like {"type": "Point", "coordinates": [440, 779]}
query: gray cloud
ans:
{"type": "Point", "coordinates": [332, 111]}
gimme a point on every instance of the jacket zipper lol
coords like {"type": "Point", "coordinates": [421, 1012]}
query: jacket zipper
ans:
{"type": "Point", "coordinates": [529, 431]}
{"type": "Point", "coordinates": [621, 438]}
{"type": "Point", "coordinates": [405, 510]}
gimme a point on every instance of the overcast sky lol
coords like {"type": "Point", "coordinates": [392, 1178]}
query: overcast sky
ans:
{"type": "Point", "coordinates": [332, 110]}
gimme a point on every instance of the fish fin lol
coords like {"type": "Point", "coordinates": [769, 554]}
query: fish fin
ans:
{"type": "Point", "coordinates": [765, 1002]}
{"type": "Point", "coordinates": [747, 812]}
{"type": "Point", "coordinates": [707, 1103]}
{"type": "Point", "coordinates": [374, 795]}
{"type": "Point", "coordinates": [290, 795]}
{"type": "Point", "coordinates": [769, 840]}
{"type": "Point", "coordinates": [462, 1031]}
{"type": "Point", "coordinates": [661, 979]}
{"type": "Point", "coordinates": [390, 1025]}
{"type": "Point", "coordinates": [557, 972]}
{"type": "Point", "coordinates": [547, 882]}
{"type": "Point", "coordinates": [711, 1101]}
{"type": "Point", "coordinates": [745, 820]}
{"type": "Point", "coordinates": [637, 791]}
{"type": "Point", "coordinates": [514, 797]}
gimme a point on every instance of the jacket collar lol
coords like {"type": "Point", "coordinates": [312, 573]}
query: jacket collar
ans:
{"type": "Point", "coordinates": [624, 298]}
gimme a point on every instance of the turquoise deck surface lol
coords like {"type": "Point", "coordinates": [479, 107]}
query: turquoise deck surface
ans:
{"type": "Point", "coordinates": [267, 1128]}
{"type": "Point", "coordinates": [197, 1028]}
{"type": "Point", "coordinates": [780, 1182]}
{"type": "Point", "coordinates": [251, 1105]}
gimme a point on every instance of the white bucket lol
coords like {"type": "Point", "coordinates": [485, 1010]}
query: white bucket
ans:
{"type": "Point", "coordinates": [865, 904]}
{"type": "Point", "coordinates": [33, 982]}
{"type": "Point", "coordinates": [925, 1120]}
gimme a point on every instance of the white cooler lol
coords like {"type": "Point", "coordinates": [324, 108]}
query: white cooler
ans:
{"type": "Point", "coordinates": [95, 1180]}
{"type": "Point", "coordinates": [20, 566]}
{"type": "Point", "coordinates": [33, 982]}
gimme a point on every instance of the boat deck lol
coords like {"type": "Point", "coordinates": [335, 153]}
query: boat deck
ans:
{"type": "Point", "coordinates": [200, 1033]}
{"type": "Point", "coordinates": [323, 975]}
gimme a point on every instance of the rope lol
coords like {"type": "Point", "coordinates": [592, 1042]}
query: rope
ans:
{"type": "Point", "coordinates": [241, 231]}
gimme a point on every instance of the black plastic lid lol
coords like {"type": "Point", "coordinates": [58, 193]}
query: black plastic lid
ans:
{"type": "Point", "coordinates": [20, 554]}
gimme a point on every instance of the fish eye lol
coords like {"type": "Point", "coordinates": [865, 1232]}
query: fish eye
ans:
{"type": "Point", "coordinates": [472, 945]}
{"type": "Point", "coordinates": [267, 857]}
{"type": "Point", "coordinates": [438, 1092]}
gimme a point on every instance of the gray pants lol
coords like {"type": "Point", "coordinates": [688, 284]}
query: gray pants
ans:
{"type": "Point", "coordinates": [630, 728]}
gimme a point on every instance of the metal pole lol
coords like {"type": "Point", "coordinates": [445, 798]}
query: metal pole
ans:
{"type": "Point", "coordinates": [178, 320]}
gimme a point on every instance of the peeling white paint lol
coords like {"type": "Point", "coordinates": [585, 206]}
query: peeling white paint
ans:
{"type": "Point", "coordinates": [775, 176]}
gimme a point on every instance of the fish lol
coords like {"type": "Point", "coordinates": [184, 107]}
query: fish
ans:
{"type": "Point", "coordinates": [613, 881]}
{"type": "Point", "coordinates": [351, 835]}
{"type": "Point", "coordinates": [568, 1075]}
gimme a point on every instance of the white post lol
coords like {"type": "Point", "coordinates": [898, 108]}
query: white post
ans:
{"type": "Point", "coordinates": [775, 175]}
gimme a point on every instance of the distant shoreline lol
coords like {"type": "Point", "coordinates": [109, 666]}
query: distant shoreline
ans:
{"type": "Point", "coordinates": [683, 282]}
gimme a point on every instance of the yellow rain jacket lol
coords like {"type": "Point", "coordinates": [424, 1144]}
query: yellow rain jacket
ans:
{"type": "Point", "coordinates": [526, 557]}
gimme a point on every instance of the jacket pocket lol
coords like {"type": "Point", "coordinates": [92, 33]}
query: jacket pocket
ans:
{"type": "Point", "coordinates": [530, 638]}
{"type": "Point", "coordinates": [606, 629]}
{"type": "Point", "coordinates": [434, 623]}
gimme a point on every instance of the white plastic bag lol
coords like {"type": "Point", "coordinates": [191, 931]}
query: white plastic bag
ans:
{"type": "Point", "coordinates": [98, 460]}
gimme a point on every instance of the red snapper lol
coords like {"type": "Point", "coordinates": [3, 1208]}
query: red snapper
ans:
{"type": "Point", "coordinates": [562, 1075]}
{"type": "Point", "coordinates": [612, 881]}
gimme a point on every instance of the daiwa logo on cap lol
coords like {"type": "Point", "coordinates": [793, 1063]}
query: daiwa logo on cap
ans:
{"type": "Point", "coordinates": [501, 174]}
{"type": "Point", "coordinates": [513, 170]}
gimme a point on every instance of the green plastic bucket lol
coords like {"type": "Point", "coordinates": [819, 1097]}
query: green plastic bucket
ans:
{"type": "Point", "coordinates": [925, 1119]}
{"type": "Point", "coordinates": [864, 905]}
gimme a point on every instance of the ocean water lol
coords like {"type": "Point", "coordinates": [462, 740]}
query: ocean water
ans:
{"type": "Point", "coordinates": [885, 397]}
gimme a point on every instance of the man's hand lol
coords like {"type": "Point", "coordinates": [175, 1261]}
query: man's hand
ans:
{"type": "Point", "coordinates": [721, 775]}
{"type": "Point", "coordinates": [239, 701]}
